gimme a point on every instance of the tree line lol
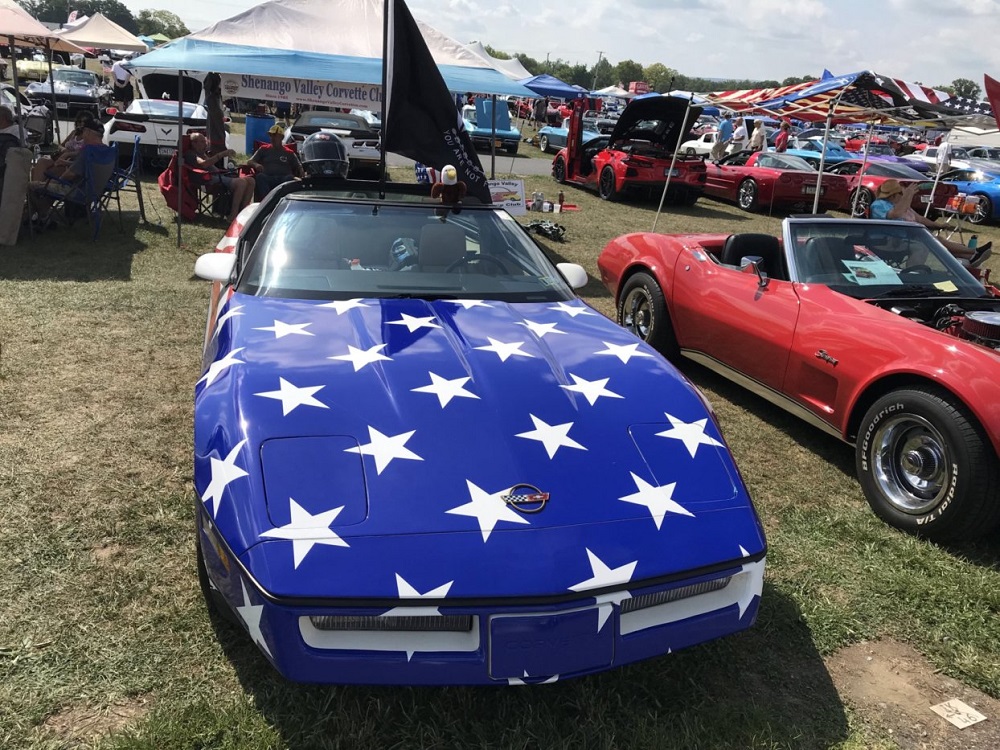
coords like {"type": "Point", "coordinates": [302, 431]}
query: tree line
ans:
{"type": "Point", "coordinates": [147, 22]}
{"type": "Point", "coordinates": [663, 79]}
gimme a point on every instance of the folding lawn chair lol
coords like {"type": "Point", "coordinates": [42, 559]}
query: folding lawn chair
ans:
{"type": "Point", "coordinates": [85, 197]}
{"type": "Point", "coordinates": [126, 180]}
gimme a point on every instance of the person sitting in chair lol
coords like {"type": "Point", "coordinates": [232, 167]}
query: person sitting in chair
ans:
{"type": "Point", "coordinates": [274, 163]}
{"type": "Point", "coordinates": [894, 202]}
{"type": "Point", "coordinates": [48, 166]}
{"type": "Point", "coordinates": [40, 192]}
{"type": "Point", "coordinates": [241, 187]}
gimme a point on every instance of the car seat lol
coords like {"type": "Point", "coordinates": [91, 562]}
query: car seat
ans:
{"type": "Point", "coordinates": [766, 246]}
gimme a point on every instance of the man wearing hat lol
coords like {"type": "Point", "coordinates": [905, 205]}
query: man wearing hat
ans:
{"type": "Point", "coordinates": [893, 202]}
{"type": "Point", "coordinates": [274, 163]}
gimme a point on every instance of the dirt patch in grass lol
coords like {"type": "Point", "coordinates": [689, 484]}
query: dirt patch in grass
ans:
{"type": "Point", "coordinates": [81, 725]}
{"type": "Point", "coordinates": [892, 687]}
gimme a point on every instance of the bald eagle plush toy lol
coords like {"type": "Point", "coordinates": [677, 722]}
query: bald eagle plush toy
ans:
{"type": "Point", "coordinates": [449, 189]}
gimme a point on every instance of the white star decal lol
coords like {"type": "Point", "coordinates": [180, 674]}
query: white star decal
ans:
{"type": "Point", "coordinates": [232, 312]}
{"type": "Point", "coordinates": [251, 614]}
{"type": "Point", "coordinates": [223, 472]}
{"type": "Point", "coordinates": [306, 530]}
{"type": "Point", "coordinates": [446, 389]}
{"type": "Point", "coordinates": [756, 572]}
{"type": "Point", "coordinates": [467, 303]}
{"type": "Point", "coordinates": [384, 448]}
{"type": "Point", "coordinates": [572, 310]}
{"type": "Point", "coordinates": [281, 329]}
{"type": "Point", "coordinates": [343, 305]}
{"type": "Point", "coordinates": [504, 350]}
{"type": "Point", "coordinates": [591, 389]}
{"type": "Point", "coordinates": [540, 329]}
{"type": "Point", "coordinates": [692, 434]}
{"type": "Point", "coordinates": [360, 358]}
{"type": "Point", "coordinates": [487, 509]}
{"type": "Point", "coordinates": [221, 365]}
{"type": "Point", "coordinates": [291, 396]}
{"type": "Point", "coordinates": [603, 576]}
{"type": "Point", "coordinates": [624, 352]}
{"type": "Point", "coordinates": [412, 323]}
{"type": "Point", "coordinates": [552, 436]}
{"type": "Point", "coordinates": [406, 591]}
{"type": "Point", "coordinates": [658, 500]}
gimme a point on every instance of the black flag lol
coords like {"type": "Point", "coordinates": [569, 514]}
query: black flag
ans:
{"type": "Point", "coordinates": [421, 121]}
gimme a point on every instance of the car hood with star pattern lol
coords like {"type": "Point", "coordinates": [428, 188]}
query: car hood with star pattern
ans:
{"type": "Point", "coordinates": [339, 443]}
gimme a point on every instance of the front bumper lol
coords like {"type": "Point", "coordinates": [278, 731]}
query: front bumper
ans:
{"type": "Point", "coordinates": [506, 643]}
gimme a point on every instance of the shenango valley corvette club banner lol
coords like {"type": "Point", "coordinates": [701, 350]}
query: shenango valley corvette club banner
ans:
{"type": "Point", "coordinates": [303, 91]}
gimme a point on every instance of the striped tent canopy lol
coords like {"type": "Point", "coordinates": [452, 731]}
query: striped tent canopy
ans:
{"type": "Point", "coordinates": [858, 97]}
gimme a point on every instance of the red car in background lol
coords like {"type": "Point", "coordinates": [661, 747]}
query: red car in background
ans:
{"type": "Point", "coordinates": [870, 330]}
{"type": "Point", "coordinates": [638, 155]}
{"type": "Point", "coordinates": [865, 179]}
{"type": "Point", "coordinates": [765, 180]}
{"type": "Point", "coordinates": [857, 142]}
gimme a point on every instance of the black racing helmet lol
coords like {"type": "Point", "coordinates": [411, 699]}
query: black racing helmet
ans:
{"type": "Point", "coordinates": [324, 155]}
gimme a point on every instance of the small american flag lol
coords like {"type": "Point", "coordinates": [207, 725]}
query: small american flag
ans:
{"type": "Point", "coordinates": [965, 106]}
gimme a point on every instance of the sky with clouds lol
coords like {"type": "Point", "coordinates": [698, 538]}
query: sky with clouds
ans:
{"type": "Point", "coordinates": [931, 41]}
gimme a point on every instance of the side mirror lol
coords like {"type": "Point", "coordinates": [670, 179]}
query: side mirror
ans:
{"type": "Point", "coordinates": [215, 267]}
{"type": "Point", "coordinates": [753, 264]}
{"type": "Point", "coordinates": [574, 274]}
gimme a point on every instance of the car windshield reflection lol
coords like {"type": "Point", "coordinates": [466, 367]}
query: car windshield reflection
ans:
{"type": "Point", "coordinates": [878, 259]}
{"type": "Point", "coordinates": [323, 249]}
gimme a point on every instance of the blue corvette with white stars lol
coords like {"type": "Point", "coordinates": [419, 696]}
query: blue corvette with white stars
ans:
{"type": "Point", "coordinates": [421, 459]}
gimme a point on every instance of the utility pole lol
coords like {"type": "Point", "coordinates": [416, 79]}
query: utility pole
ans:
{"type": "Point", "coordinates": [600, 54]}
{"type": "Point", "coordinates": [547, 68]}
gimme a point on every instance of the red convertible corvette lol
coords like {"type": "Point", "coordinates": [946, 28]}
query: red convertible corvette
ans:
{"type": "Point", "coordinates": [638, 155]}
{"type": "Point", "coordinates": [864, 184]}
{"type": "Point", "coordinates": [764, 180]}
{"type": "Point", "coordinates": [870, 330]}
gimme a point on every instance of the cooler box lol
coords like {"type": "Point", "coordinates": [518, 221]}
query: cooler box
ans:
{"type": "Point", "coordinates": [256, 130]}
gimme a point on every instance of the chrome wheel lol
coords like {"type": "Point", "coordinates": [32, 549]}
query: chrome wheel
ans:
{"type": "Point", "coordinates": [637, 313]}
{"type": "Point", "coordinates": [543, 143]}
{"type": "Point", "coordinates": [984, 211]}
{"type": "Point", "coordinates": [861, 205]}
{"type": "Point", "coordinates": [911, 464]}
{"type": "Point", "coordinates": [747, 195]}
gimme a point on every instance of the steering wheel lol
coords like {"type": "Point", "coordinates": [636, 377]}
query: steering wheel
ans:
{"type": "Point", "coordinates": [919, 269]}
{"type": "Point", "coordinates": [466, 259]}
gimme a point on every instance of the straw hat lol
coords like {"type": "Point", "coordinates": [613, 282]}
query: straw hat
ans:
{"type": "Point", "coordinates": [889, 188]}
{"type": "Point", "coordinates": [276, 130]}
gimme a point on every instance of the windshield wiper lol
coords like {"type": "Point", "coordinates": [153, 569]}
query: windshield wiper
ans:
{"type": "Point", "coordinates": [418, 295]}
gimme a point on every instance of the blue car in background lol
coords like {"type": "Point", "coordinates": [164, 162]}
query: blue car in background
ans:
{"type": "Point", "coordinates": [552, 138]}
{"type": "Point", "coordinates": [483, 130]}
{"type": "Point", "coordinates": [982, 183]}
{"type": "Point", "coordinates": [811, 150]}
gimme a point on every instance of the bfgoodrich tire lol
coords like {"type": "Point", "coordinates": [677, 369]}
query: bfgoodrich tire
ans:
{"type": "Point", "coordinates": [642, 309]}
{"type": "Point", "coordinates": [926, 466]}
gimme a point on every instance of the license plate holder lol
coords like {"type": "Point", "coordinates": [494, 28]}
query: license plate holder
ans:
{"type": "Point", "coordinates": [165, 150]}
{"type": "Point", "coordinates": [62, 105]}
{"type": "Point", "coordinates": [548, 644]}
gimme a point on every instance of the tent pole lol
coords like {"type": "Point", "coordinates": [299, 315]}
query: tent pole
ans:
{"type": "Point", "coordinates": [385, 99]}
{"type": "Point", "coordinates": [17, 89]}
{"type": "Point", "coordinates": [52, 91]}
{"type": "Point", "coordinates": [942, 158]}
{"type": "Point", "coordinates": [864, 163]}
{"type": "Point", "coordinates": [822, 155]}
{"type": "Point", "coordinates": [180, 152]}
{"type": "Point", "coordinates": [493, 137]}
{"type": "Point", "coordinates": [673, 161]}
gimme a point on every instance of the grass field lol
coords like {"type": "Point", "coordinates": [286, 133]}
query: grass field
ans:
{"type": "Point", "coordinates": [105, 640]}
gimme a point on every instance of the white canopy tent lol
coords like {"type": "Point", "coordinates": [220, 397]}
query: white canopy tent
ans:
{"type": "Point", "coordinates": [288, 51]}
{"type": "Point", "coordinates": [103, 33]}
{"type": "Point", "coordinates": [616, 91]}
{"type": "Point", "coordinates": [511, 68]}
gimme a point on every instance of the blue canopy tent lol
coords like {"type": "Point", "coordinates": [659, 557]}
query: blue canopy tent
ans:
{"type": "Point", "coordinates": [547, 85]}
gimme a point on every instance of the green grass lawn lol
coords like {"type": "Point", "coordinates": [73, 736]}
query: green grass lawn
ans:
{"type": "Point", "coordinates": [105, 640]}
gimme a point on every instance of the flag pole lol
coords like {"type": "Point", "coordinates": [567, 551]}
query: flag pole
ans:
{"type": "Point", "coordinates": [385, 97]}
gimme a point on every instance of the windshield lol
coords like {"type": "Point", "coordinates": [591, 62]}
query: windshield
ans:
{"type": "Point", "coordinates": [784, 161]}
{"type": "Point", "coordinates": [158, 108]}
{"type": "Point", "coordinates": [323, 249]}
{"type": "Point", "coordinates": [331, 120]}
{"type": "Point", "coordinates": [877, 259]}
{"type": "Point", "coordinates": [893, 169]}
{"type": "Point", "coordinates": [79, 77]}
